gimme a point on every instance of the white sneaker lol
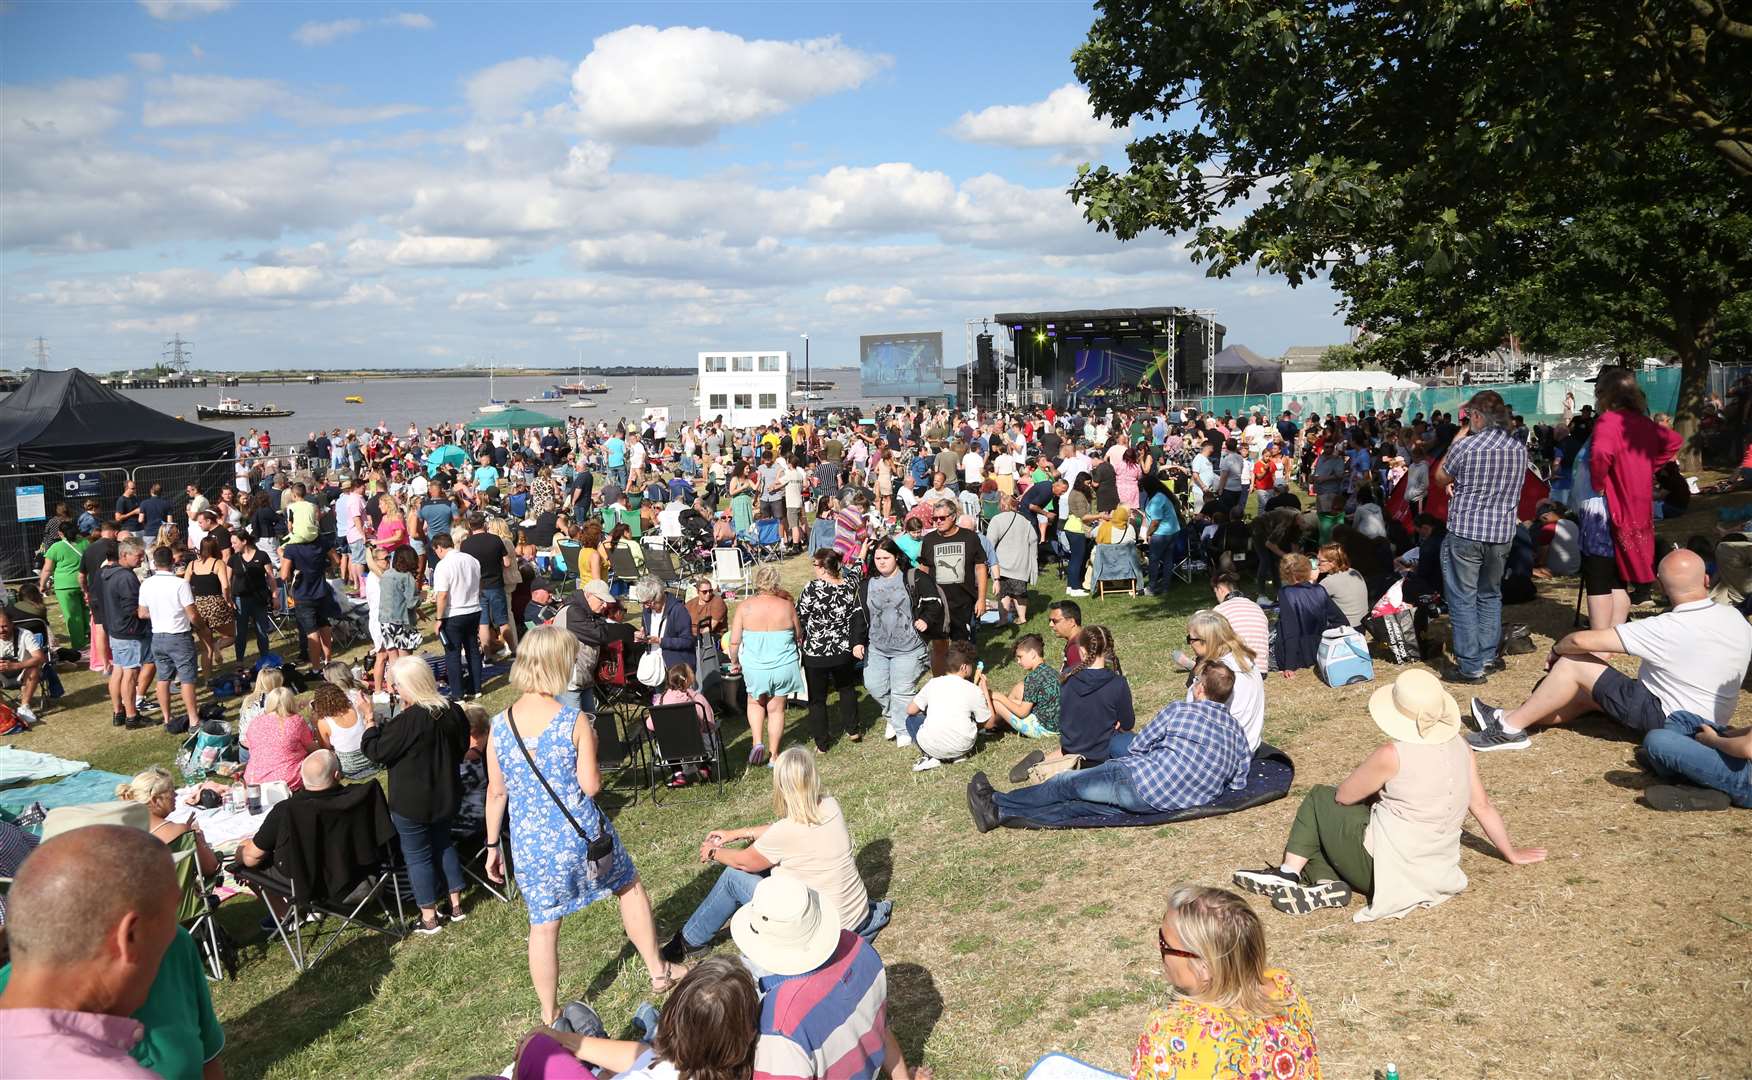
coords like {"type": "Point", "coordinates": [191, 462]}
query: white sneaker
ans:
{"type": "Point", "coordinates": [890, 735]}
{"type": "Point", "coordinates": [25, 714]}
{"type": "Point", "coordinates": [1076, 592]}
{"type": "Point", "coordinates": [903, 740]}
{"type": "Point", "coordinates": [926, 764]}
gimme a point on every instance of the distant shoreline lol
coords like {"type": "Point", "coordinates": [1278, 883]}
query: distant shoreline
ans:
{"type": "Point", "coordinates": [338, 375]}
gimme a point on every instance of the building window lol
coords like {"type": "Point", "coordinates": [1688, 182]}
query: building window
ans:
{"type": "Point", "coordinates": [769, 401]}
{"type": "Point", "coordinates": [717, 363]}
{"type": "Point", "coordinates": [769, 363]}
{"type": "Point", "coordinates": [719, 401]}
{"type": "Point", "coordinates": [745, 401]}
{"type": "Point", "coordinates": [742, 363]}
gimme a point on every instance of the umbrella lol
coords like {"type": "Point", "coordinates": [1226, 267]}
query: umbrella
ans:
{"type": "Point", "coordinates": [449, 454]}
{"type": "Point", "coordinates": [515, 418]}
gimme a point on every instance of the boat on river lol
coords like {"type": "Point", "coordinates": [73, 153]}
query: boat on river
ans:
{"type": "Point", "coordinates": [229, 408]}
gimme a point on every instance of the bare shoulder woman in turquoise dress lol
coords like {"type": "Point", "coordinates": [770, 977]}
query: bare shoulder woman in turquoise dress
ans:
{"type": "Point", "coordinates": [552, 861]}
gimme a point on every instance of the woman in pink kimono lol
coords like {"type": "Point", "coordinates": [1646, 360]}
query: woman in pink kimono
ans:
{"type": "Point", "coordinates": [1624, 451]}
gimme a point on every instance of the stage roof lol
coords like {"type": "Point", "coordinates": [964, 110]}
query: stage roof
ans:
{"type": "Point", "coordinates": [1074, 319]}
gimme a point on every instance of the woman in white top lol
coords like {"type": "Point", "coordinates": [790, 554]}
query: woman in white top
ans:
{"type": "Point", "coordinates": [342, 729]}
{"type": "Point", "coordinates": [1392, 829]}
{"type": "Point", "coordinates": [1211, 637]}
{"type": "Point", "coordinates": [809, 842]}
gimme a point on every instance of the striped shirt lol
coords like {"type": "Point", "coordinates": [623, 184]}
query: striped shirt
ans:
{"type": "Point", "coordinates": [1192, 752]}
{"type": "Point", "coordinates": [828, 1023]}
{"type": "Point", "coordinates": [1250, 625]}
{"type": "Point", "coordinates": [1488, 468]}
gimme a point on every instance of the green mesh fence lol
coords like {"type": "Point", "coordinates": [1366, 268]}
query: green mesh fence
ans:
{"type": "Point", "coordinates": [1535, 401]}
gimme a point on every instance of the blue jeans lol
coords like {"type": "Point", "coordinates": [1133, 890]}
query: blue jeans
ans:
{"type": "Point", "coordinates": [583, 700]}
{"type": "Point", "coordinates": [913, 724]}
{"type": "Point", "coordinates": [1472, 585]}
{"type": "Point", "coordinates": [426, 848]}
{"type": "Point", "coordinates": [1676, 754]}
{"type": "Point", "coordinates": [732, 889]}
{"type": "Point", "coordinates": [1105, 790]}
{"type": "Point", "coordinates": [461, 637]}
{"type": "Point", "coordinates": [1120, 743]}
{"type": "Point", "coordinates": [1079, 545]}
{"type": "Point", "coordinates": [252, 613]}
{"type": "Point", "coordinates": [1161, 562]}
{"type": "Point", "coordinates": [891, 681]}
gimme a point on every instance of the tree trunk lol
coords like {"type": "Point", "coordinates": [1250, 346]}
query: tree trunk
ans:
{"type": "Point", "coordinates": [1691, 345]}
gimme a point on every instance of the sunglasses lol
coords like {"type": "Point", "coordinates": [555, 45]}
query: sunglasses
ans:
{"type": "Point", "coordinates": [1169, 950]}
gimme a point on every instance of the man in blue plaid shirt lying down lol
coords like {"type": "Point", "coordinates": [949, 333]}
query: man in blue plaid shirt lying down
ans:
{"type": "Point", "coordinates": [1190, 754]}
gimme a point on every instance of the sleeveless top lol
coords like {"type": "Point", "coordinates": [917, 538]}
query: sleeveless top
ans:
{"type": "Point", "coordinates": [1414, 829]}
{"type": "Point", "coordinates": [206, 584]}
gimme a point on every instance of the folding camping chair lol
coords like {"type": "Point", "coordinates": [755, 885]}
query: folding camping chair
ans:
{"type": "Point", "coordinates": [658, 562]}
{"type": "Point", "coordinates": [622, 566]}
{"type": "Point", "coordinates": [727, 570]}
{"type": "Point", "coordinates": [630, 518]}
{"type": "Point", "coordinates": [198, 911]}
{"type": "Point", "coordinates": [336, 822]}
{"type": "Point", "coordinates": [1115, 569]}
{"type": "Point", "coordinates": [620, 710]}
{"type": "Point", "coordinates": [679, 739]}
{"type": "Point", "coordinates": [765, 542]}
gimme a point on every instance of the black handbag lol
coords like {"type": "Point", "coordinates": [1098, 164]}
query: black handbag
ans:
{"type": "Point", "coordinates": [600, 852]}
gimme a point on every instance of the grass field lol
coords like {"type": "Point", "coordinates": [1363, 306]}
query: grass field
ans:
{"type": "Point", "coordinates": [1627, 954]}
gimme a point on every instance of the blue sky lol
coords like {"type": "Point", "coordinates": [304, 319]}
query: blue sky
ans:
{"type": "Point", "coordinates": [301, 185]}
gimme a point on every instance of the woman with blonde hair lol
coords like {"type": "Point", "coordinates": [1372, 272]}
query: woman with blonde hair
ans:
{"type": "Point", "coordinates": [267, 680]}
{"type": "Point", "coordinates": [421, 747]}
{"type": "Point", "coordinates": [1231, 1014]}
{"type": "Point", "coordinates": [156, 790]}
{"type": "Point", "coordinates": [1210, 636]}
{"type": "Point", "coordinates": [809, 842]}
{"type": "Point", "coordinates": [513, 576]}
{"type": "Point", "coordinates": [541, 767]}
{"type": "Point", "coordinates": [277, 741]}
{"type": "Point", "coordinates": [392, 531]}
{"type": "Point", "coordinates": [764, 634]}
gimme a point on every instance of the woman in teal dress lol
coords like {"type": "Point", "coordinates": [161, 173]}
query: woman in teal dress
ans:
{"type": "Point", "coordinates": [551, 858]}
{"type": "Point", "coordinates": [763, 643]}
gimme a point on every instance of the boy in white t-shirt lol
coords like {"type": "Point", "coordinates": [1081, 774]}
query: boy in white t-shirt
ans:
{"type": "Point", "coordinates": [946, 714]}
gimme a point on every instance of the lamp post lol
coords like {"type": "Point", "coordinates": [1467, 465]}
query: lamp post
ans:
{"type": "Point", "coordinates": [807, 384]}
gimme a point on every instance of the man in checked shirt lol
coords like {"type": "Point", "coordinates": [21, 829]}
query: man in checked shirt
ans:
{"type": "Point", "coordinates": [1484, 469]}
{"type": "Point", "coordinates": [1192, 753]}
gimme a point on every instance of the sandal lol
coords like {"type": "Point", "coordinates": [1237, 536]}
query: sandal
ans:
{"type": "Point", "coordinates": [672, 974]}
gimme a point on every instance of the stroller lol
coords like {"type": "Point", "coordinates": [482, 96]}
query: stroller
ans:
{"type": "Point", "coordinates": [354, 625]}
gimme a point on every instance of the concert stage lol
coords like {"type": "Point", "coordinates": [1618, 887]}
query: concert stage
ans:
{"type": "Point", "coordinates": [1115, 355]}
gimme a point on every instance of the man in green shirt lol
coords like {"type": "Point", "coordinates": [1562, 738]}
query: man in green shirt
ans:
{"type": "Point", "coordinates": [61, 562]}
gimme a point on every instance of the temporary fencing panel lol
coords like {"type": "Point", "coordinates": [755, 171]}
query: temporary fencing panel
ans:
{"type": "Point", "coordinates": [208, 476]}
{"type": "Point", "coordinates": [1535, 401]}
{"type": "Point", "coordinates": [20, 497]}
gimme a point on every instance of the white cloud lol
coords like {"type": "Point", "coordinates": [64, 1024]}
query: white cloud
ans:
{"type": "Point", "coordinates": [1063, 121]}
{"type": "Point", "coordinates": [678, 86]}
{"type": "Point", "coordinates": [183, 9]}
{"type": "Point", "coordinates": [1257, 290]}
{"type": "Point", "coordinates": [161, 324]}
{"type": "Point", "coordinates": [868, 299]}
{"type": "Point", "coordinates": [327, 33]}
{"type": "Point", "coordinates": [501, 90]}
{"type": "Point", "coordinates": [147, 61]}
{"type": "Point", "coordinates": [197, 52]}
{"type": "Point", "coordinates": [68, 110]}
{"type": "Point", "coordinates": [410, 20]}
{"type": "Point", "coordinates": [206, 100]}
{"type": "Point", "coordinates": [418, 251]}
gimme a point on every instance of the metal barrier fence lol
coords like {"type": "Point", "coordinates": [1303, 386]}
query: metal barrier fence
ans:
{"type": "Point", "coordinates": [1536, 401]}
{"type": "Point", "coordinates": [207, 476]}
{"type": "Point", "coordinates": [33, 495]}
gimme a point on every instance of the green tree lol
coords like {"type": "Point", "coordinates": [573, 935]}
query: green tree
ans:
{"type": "Point", "coordinates": [1415, 150]}
{"type": "Point", "coordinates": [1343, 358]}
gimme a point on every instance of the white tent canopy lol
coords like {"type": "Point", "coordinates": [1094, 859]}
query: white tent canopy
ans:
{"type": "Point", "coordinates": [1314, 382]}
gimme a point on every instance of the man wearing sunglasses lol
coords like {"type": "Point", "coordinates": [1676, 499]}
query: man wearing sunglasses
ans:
{"type": "Point", "coordinates": [955, 559]}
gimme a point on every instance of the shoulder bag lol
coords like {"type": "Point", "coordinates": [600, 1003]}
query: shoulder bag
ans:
{"type": "Point", "coordinates": [600, 853]}
{"type": "Point", "coordinates": [651, 671]}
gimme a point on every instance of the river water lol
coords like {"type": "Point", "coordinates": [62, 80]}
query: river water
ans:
{"type": "Point", "coordinates": [428, 401]}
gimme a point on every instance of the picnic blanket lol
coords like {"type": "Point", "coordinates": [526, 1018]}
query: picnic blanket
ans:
{"type": "Point", "coordinates": [90, 786]}
{"type": "Point", "coordinates": [23, 766]}
{"type": "Point", "coordinates": [440, 668]}
{"type": "Point", "coordinates": [1267, 781]}
{"type": "Point", "coordinates": [1060, 1067]}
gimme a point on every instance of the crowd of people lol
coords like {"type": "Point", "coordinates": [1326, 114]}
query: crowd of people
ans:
{"type": "Point", "coordinates": [930, 536]}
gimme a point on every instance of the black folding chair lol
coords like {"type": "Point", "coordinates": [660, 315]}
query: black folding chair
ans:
{"type": "Point", "coordinates": [678, 740]}
{"type": "Point", "coordinates": [471, 851]}
{"type": "Point", "coordinates": [659, 562]}
{"type": "Point", "coordinates": [335, 822]}
{"type": "Point", "coordinates": [621, 565]}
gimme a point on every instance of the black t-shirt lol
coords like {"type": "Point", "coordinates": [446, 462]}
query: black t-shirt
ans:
{"type": "Point", "coordinates": [92, 561]}
{"type": "Point", "coordinates": [541, 533]}
{"type": "Point", "coordinates": [952, 561]}
{"type": "Point", "coordinates": [1283, 500]}
{"type": "Point", "coordinates": [249, 579]}
{"type": "Point", "coordinates": [1106, 487]}
{"type": "Point", "coordinates": [489, 551]}
{"type": "Point", "coordinates": [1050, 443]}
{"type": "Point", "coordinates": [1036, 500]}
{"type": "Point", "coordinates": [156, 512]}
{"type": "Point", "coordinates": [265, 522]}
{"type": "Point", "coordinates": [126, 505]}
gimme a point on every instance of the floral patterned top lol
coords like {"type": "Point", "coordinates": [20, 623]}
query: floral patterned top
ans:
{"type": "Point", "coordinates": [826, 614]}
{"type": "Point", "coordinates": [1189, 1039]}
{"type": "Point", "coordinates": [1040, 688]}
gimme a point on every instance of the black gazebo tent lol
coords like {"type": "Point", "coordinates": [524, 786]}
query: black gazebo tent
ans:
{"type": "Point", "coordinates": [61, 420]}
{"type": "Point", "coordinates": [66, 436]}
{"type": "Point", "coordinates": [1240, 370]}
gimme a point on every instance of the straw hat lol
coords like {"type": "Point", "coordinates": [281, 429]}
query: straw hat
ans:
{"type": "Point", "coordinates": [783, 929]}
{"type": "Point", "coordinates": [1416, 709]}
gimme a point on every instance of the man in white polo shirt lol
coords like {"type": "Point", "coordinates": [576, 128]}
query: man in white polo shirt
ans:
{"type": "Point", "coordinates": [169, 603]}
{"type": "Point", "coordinates": [1694, 658]}
{"type": "Point", "coordinates": [456, 596]}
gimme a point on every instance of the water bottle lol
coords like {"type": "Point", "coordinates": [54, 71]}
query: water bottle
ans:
{"type": "Point", "coordinates": [1392, 1072]}
{"type": "Point", "coordinates": [252, 795]}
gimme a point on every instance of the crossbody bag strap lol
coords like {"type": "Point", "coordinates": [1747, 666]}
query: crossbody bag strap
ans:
{"type": "Point", "coordinates": [511, 721]}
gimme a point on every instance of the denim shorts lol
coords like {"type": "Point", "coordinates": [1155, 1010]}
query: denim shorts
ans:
{"type": "Point", "coordinates": [356, 550]}
{"type": "Point", "coordinates": [175, 656]}
{"type": "Point", "coordinates": [313, 615]}
{"type": "Point", "coordinates": [495, 610]}
{"type": "Point", "coordinates": [127, 652]}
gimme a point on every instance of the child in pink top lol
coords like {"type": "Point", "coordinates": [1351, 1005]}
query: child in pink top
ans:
{"type": "Point", "coordinates": [678, 689]}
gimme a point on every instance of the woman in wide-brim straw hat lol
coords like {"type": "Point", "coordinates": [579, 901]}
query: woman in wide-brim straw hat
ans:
{"type": "Point", "coordinates": [1392, 829]}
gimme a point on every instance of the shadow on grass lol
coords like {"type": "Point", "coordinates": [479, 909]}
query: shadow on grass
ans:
{"type": "Point", "coordinates": [308, 1009]}
{"type": "Point", "coordinates": [915, 1005]}
{"type": "Point", "coordinates": [668, 916]}
{"type": "Point", "coordinates": [876, 867]}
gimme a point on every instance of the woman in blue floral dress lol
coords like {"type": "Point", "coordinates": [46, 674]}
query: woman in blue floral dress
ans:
{"type": "Point", "coordinates": [551, 858]}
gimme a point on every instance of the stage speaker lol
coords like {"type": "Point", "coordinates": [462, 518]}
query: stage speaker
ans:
{"type": "Point", "coordinates": [985, 372]}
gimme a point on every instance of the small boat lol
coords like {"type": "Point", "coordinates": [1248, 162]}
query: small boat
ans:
{"type": "Point", "coordinates": [809, 395]}
{"type": "Point", "coordinates": [231, 408]}
{"type": "Point", "coordinates": [582, 403]}
{"type": "Point", "coordinates": [313, 379]}
{"type": "Point", "coordinates": [495, 404]}
{"type": "Point", "coordinates": [353, 399]}
{"type": "Point", "coordinates": [637, 398]}
{"type": "Point", "coordinates": [547, 395]}
{"type": "Point", "coordinates": [494, 407]}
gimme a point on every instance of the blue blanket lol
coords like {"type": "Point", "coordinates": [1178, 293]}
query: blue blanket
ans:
{"type": "Point", "coordinates": [1268, 781]}
{"type": "Point", "coordinates": [90, 786]}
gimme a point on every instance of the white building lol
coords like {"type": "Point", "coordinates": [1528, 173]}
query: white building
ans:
{"type": "Point", "coordinates": [744, 389]}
